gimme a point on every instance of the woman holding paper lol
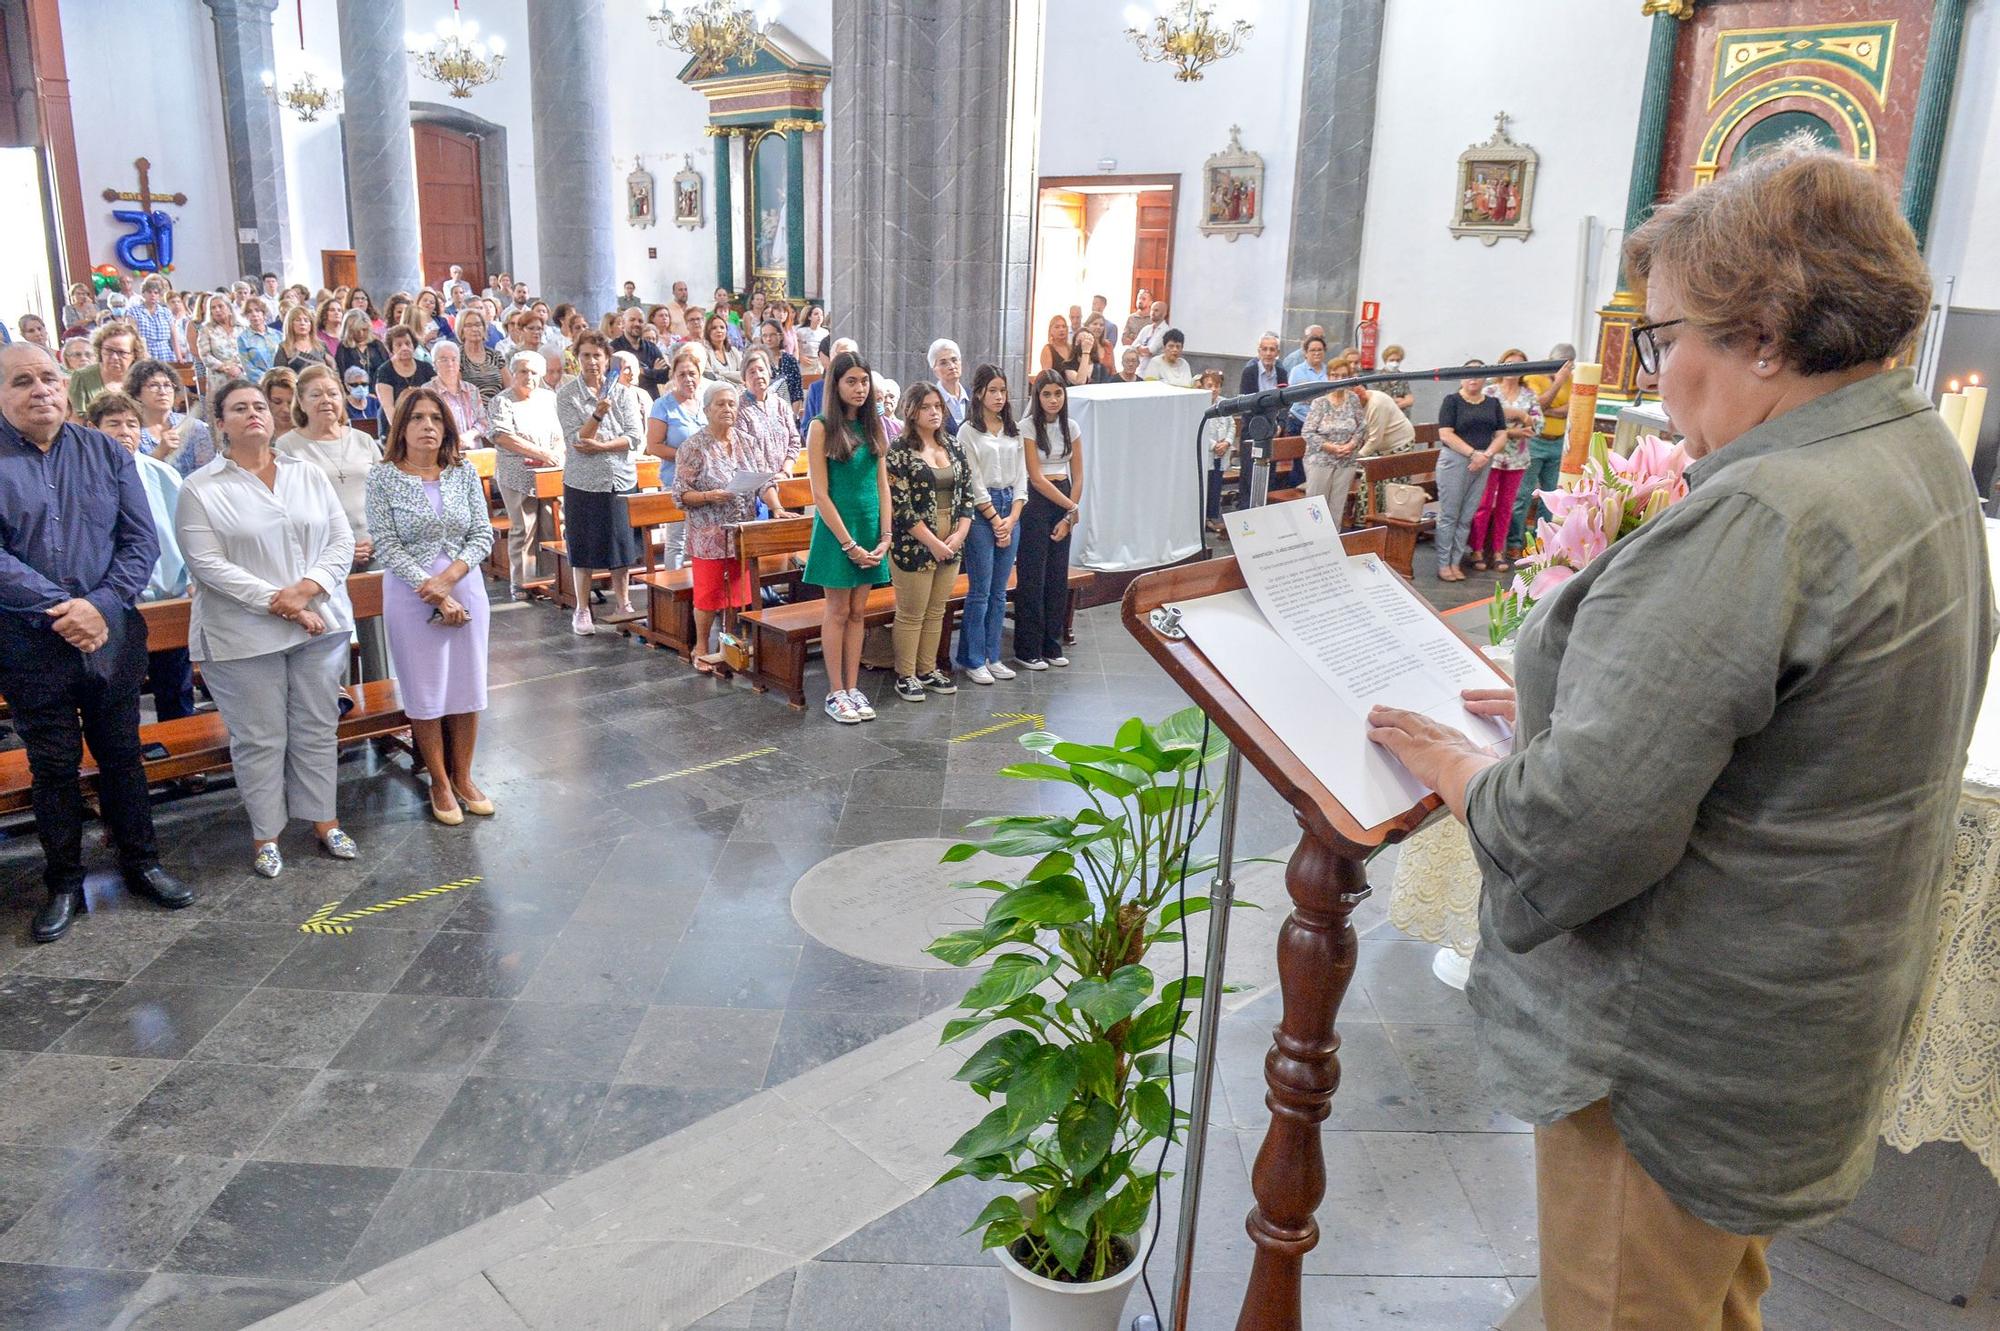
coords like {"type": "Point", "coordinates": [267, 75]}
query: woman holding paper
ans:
{"type": "Point", "coordinates": [1711, 863]}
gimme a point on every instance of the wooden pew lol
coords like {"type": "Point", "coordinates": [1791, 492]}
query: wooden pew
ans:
{"type": "Point", "coordinates": [643, 511]}
{"type": "Point", "coordinates": [1285, 450]}
{"type": "Point", "coordinates": [773, 545]}
{"type": "Point", "coordinates": [200, 743]}
{"type": "Point", "coordinates": [1418, 468]}
{"type": "Point", "coordinates": [782, 635]}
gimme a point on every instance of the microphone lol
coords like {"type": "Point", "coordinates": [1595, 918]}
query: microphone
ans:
{"type": "Point", "coordinates": [1256, 404]}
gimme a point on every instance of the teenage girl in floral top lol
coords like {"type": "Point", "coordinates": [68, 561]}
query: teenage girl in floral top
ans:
{"type": "Point", "coordinates": [1503, 483]}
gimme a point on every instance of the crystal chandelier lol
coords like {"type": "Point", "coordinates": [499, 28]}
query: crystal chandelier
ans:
{"type": "Point", "coordinates": [1184, 34]}
{"type": "Point", "coordinates": [714, 32]}
{"type": "Point", "coordinates": [306, 97]}
{"type": "Point", "coordinates": [457, 56]}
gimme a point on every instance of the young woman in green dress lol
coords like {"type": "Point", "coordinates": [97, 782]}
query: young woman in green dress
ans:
{"type": "Point", "coordinates": [850, 541]}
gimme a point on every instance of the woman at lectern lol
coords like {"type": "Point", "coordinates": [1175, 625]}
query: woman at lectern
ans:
{"type": "Point", "coordinates": [1711, 862]}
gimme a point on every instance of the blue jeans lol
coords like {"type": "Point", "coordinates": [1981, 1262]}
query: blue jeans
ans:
{"type": "Point", "coordinates": [987, 568]}
{"type": "Point", "coordinates": [1544, 472]}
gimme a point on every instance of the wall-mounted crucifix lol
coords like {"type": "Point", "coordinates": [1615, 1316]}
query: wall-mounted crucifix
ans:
{"type": "Point", "coordinates": [149, 245]}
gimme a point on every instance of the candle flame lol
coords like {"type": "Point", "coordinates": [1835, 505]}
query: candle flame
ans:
{"type": "Point", "coordinates": [1975, 381]}
{"type": "Point", "coordinates": [1954, 385]}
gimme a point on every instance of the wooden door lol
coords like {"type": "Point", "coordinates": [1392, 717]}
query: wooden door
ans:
{"type": "Point", "coordinates": [1153, 251]}
{"type": "Point", "coordinates": [336, 269]}
{"type": "Point", "coordinates": [448, 205]}
{"type": "Point", "coordinates": [1058, 269]}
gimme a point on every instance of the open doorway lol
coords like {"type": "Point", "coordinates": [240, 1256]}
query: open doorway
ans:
{"type": "Point", "coordinates": [26, 235]}
{"type": "Point", "coordinates": [1110, 236]}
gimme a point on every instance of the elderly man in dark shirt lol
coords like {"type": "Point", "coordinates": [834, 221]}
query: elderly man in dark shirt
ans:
{"type": "Point", "coordinates": [76, 548]}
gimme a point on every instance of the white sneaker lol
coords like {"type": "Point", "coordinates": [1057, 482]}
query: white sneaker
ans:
{"type": "Point", "coordinates": [842, 710]}
{"type": "Point", "coordinates": [859, 702]}
{"type": "Point", "coordinates": [979, 674]}
{"type": "Point", "coordinates": [581, 624]}
{"type": "Point", "coordinates": [1034, 665]}
{"type": "Point", "coordinates": [1058, 660]}
{"type": "Point", "coordinates": [999, 671]}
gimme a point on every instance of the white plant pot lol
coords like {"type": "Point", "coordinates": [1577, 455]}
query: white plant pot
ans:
{"type": "Point", "coordinates": [1038, 1304]}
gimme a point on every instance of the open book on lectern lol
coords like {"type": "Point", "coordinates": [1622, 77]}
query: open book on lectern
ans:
{"type": "Point", "coordinates": [1319, 638]}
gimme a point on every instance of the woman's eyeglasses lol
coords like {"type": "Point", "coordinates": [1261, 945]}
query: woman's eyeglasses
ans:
{"type": "Point", "coordinates": [1646, 343]}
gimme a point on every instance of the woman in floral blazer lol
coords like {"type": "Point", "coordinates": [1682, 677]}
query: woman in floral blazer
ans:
{"type": "Point", "coordinates": [930, 505]}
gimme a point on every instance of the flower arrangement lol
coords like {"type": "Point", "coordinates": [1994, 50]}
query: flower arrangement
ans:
{"type": "Point", "coordinates": [1616, 496]}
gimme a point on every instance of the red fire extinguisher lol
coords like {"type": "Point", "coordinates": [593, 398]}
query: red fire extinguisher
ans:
{"type": "Point", "coordinates": [1368, 333]}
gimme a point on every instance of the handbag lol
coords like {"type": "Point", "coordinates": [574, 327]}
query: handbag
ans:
{"type": "Point", "coordinates": [1403, 501]}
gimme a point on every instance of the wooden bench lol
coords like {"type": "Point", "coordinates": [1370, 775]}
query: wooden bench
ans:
{"type": "Point", "coordinates": [1411, 468]}
{"type": "Point", "coordinates": [1285, 450]}
{"type": "Point", "coordinates": [200, 743]}
{"type": "Point", "coordinates": [669, 619]}
{"type": "Point", "coordinates": [782, 635]}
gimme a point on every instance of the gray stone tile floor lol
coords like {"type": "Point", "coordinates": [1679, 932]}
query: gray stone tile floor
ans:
{"type": "Point", "coordinates": [208, 1117]}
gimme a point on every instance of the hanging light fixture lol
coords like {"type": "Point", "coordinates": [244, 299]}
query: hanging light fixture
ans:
{"type": "Point", "coordinates": [305, 97]}
{"type": "Point", "coordinates": [457, 56]}
{"type": "Point", "coordinates": [1184, 34]}
{"type": "Point", "coordinates": [714, 32]}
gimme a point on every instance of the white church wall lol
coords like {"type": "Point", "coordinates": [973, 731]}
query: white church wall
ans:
{"type": "Point", "coordinates": [1569, 75]}
{"type": "Point", "coordinates": [1100, 101]}
{"type": "Point", "coordinates": [315, 171]}
{"type": "Point", "coordinates": [169, 45]}
{"type": "Point", "coordinates": [1968, 196]}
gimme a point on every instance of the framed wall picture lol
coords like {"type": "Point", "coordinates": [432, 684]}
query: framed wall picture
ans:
{"type": "Point", "coordinates": [641, 205]}
{"type": "Point", "coordinates": [1495, 198]}
{"type": "Point", "coordinates": [687, 195]}
{"type": "Point", "coordinates": [1233, 191]}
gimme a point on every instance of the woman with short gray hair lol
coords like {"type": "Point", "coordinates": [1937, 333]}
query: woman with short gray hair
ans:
{"type": "Point", "coordinates": [526, 433]}
{"type": "Point", "coordinates": [1712, 860]}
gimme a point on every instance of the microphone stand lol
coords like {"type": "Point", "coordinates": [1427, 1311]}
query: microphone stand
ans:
{"type": "Point", "coordinates": [1258, 433]}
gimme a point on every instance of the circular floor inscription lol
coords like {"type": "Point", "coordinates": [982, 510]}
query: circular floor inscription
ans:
{"type": "Point", "coordinates": [883, 903]}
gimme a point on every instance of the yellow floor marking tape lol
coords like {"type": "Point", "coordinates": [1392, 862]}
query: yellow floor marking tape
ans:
{"type": "Point", "coordinates": [324, 921]}
{"type": "Point", "coordinates": [704, 767]}
{"type": "Point", "coordinates": [1013, 719]}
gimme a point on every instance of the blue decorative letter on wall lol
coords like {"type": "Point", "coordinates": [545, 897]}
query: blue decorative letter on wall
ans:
{"type": "Point", "coordinates": [149, 246]}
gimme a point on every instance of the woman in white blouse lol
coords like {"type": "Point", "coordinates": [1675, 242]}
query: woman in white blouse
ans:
{"type": "Point", "coordinates": [721, 360]}
{"type": "Point", "coordinates": [268, 550]}
{"type": "Point", "coordinates": [526, 433]}
{"type": "Point", "coordinates": [992, 445]}
{"type": "Point", "coordinates": [324, 438]}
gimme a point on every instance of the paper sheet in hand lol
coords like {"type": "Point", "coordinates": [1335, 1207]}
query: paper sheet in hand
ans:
{"type": "Point", "coordinates": [748, 482]}
{"type": "Point", "coordinates": [1319, 638]}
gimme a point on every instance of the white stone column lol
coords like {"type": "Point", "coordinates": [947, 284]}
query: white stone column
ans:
{"type": "Point", "coordinates": [381, 170]}
{"type": "Point", "coordinates": [252, 135]}
{"type": "Point", "coordinates": [570, 72]}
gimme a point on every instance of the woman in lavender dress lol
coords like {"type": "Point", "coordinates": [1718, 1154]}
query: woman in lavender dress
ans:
{"type": "Point", "coordinates": [427, 515]}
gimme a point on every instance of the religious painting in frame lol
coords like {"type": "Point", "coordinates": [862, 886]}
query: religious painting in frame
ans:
{"type": "Point", "coordinates": [769, 205]}
{"type": "Point", "coordinates": [1495, 198]}
{"type": "Point", "coordinates": [641, 203]}
{"type": "Point", "coordinates": [1233, 191]}
{"type": "Point", "coordinates": [687, 195]}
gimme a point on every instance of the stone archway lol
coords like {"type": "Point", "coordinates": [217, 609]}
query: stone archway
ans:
{"type": "Point", "coordinates": [494, 206]}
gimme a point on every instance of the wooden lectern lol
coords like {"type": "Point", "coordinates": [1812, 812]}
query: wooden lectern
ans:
{"type": "Point", "coordinates": [1316, 946]}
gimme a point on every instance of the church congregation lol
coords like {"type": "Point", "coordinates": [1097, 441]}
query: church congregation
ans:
{"type": "Point", "coordinates": [617, 717]}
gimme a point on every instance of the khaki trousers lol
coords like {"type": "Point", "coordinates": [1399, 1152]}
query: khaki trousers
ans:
{"type": "Point", "coordinates": [1619, 1254]}
{"type": "Point", "coordinates": [921, 598]}
{"type": "Point", "coordinates": [524, 550]}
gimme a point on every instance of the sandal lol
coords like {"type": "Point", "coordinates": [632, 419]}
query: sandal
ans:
{"type": "Point", "coordinates": [703, 666]}
{"type": "Point", "coordinates": [1479, 566]}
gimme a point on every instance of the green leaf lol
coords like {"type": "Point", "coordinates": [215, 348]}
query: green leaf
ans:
{"type": "Point", "coordinates": [1130, 733]}
{"type": "Point", "coordinates": [1098, 779]}
{"type": "Point", "coordinates": [1015, 842]}
{"type": "Point", "coordinates": [1097, 1070]}
{"type": "Point", "coordinates": [1157, 1065]}
{"type": "Point", "coordinates": [1154, 1026]}
{"type": "Point", "coordinates": [998, 1060]}
{"type": "Point", "coordinates": [1013, 974]}
{"type": "Point", "coordinates": [1051, 865]}
{"type": "Point", "coordinates": [965, 946]}
{"type": "Point", "coordinates": [1049, 901]}
{"type": "Point", "coordinates": [1105, 756]}
{"type": "Point", "coordinates": [1125, 1214]}
{"type": "Point", "coordinates": [1108, 1002]}
{"type": "Point", "coordinates": [999, 1210]}
{"type": "Point", "coordinates": [1038, 772]}
{"type": "Point", "coordinates": [1076, 1207]}
{"type": "Point", "coordinates": [959, 1026]}
{"type": "Point", "coordinates": [998, 1132]}
{"type": "Point", "coordinates": [1085, 1132]}
{"type": "Point", "coordinates": [1040, 741]}
{"type": "Point", "coordinates": [958, 854]}
{"type": "Point", "coordinates": [1001, 1233]}
{"type": "Point", "coordinates": [1150, 1107]}
{"type": "Point", "coordinates": [1156, 800]}
{"type": "Point", "coordinates": [1181, 990]}
{"type": "Point", "coordinates": [1045, 1081]}
{"type": "Point", "coordinates": [1183, 730]}
{"type": "Point", "coordinates": [1180, 910]}
{"type": "Point", "coordinates": [1067, 1244]}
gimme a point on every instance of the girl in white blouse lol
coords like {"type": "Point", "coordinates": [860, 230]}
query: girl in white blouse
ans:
{"type": "Point", "coordinates": [720, 359]}
{"type": "Point", "coordinates": [268, 550]}
{"type": "Point", "coordinates": [992, 445]}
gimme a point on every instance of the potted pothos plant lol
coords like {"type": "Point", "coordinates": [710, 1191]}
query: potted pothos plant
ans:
{"type": "Point", "coordinates": [1079, 1033]}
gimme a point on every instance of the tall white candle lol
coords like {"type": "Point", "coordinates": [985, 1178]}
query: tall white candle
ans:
{"type": "Point", "coordinates": [1975, 415]}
